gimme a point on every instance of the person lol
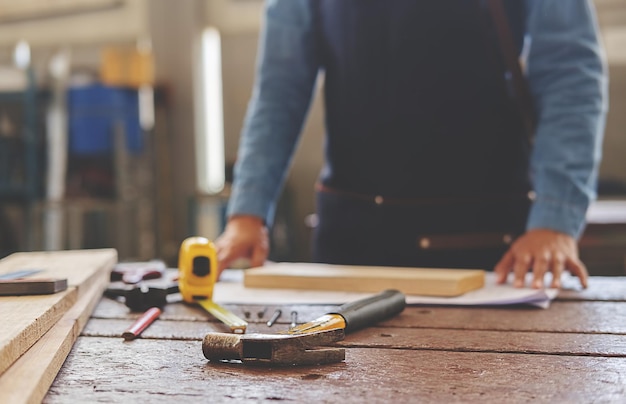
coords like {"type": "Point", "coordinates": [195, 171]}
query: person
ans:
{"type": "Point", "coordinates": [427, 158]}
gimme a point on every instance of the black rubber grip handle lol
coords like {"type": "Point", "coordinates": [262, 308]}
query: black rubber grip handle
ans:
{"type": "Point", "coordinates": [369, 311]}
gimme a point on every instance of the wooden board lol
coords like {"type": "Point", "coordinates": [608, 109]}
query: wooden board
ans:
{"type": "Point", "coordinates": [29, 378]}
{"type": "Point", "coordinates": [25, 319]}
{"type": "Point", "coordinates": [412, 281]}
{"type": "Point", "coordinates": [144, 370]}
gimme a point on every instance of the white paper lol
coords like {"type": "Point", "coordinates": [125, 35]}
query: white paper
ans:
{"type": "Point", "coordinates": [230, 289]}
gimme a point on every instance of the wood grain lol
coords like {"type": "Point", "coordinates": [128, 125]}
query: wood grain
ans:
{"type": "Point", "coordinates": [25, 319]}
{"type": "Point", "coordinates": [399, 338]}
{"type": "Point", "coordinates": [108, 370]}
{"type": "Point", "coordinates": [29, 378]}
{"type": "Point", "coordinates": [575, 317]}
{"type": "Point", "coordinates": [573, 352]}
{"type": "Point", "coordinates": [412, 281]}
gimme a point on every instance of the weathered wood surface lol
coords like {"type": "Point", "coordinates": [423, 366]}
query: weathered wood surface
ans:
{"type": "Point", "coordinates": [573, 352]}
{"type": "Point", "coordinates": [399, 338]}
{"type": "Point", "coordinates": [25, 319]}
{"type": "Point", "coordinates": [107, 370]}
{"type": "Point", "coordinates": [109, 308]}
{"type": "Point", "coordinates": [566, 316]}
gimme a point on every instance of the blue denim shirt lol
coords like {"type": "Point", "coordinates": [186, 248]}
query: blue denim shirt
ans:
{"type": "Point", "coordinates": [567, 75]}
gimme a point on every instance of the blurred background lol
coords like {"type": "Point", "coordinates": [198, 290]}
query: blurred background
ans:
{"type": "Point", "coordinates": [120, 119]}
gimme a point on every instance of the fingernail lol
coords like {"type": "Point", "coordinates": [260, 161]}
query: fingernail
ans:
{"type": "Point", "coordinates": [518, 283]}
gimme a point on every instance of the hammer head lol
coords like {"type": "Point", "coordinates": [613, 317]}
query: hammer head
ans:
{"type": "Point", "coordinates": [275, 349]}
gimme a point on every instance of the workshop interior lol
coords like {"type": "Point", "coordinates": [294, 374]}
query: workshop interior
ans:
{"type": "Point", "coordinates": [120, 124]}
{"type": "Point", "coordinates": [120, 120]}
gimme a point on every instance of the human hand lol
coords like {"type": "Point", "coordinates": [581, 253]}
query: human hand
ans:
{"type": "Point", "coordinates": [245, 236]}
{"type": "Point", "coordinates": [542, 251]}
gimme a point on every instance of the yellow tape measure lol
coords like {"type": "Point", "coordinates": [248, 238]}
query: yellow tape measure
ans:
{"type": "Point", "coordinates": [197, 266]}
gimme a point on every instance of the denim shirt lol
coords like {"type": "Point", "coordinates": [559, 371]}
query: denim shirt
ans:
{"type": "Point", "coordinates": [567, 75]}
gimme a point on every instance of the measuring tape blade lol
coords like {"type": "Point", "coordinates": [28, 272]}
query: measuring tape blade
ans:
{"type": "Point", "coordinates": [226, 316]}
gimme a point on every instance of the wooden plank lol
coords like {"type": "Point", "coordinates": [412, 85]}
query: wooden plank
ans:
{"type": "Point", "coordinates": [415, 281]}
{"type": "Point", "coordinates": [29, 378]}
{"type": "Point", "coordinates": [489, 341]}
{"type": "Point", "coordinates": [574, 317]}
{"type": "Point", "coordinates": [399, 338]}
{"type": "Point", "coordinates": [25, 319]}
{"type": "Point", "coordinates": [108, 308]}
{"type": "Point", "coordinates": [108, 370]}
{"type": "Point", "coordinates": [578, 317]}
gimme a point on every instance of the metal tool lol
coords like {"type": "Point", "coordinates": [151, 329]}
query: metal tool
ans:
{"type": "Point", "coordinates": [16, 283]}
{"type": "Point", "coordinates": [21, 287]}
{"type": "Point", "coordinates": [294, 319]}
{"type": "Point", "coordinates": [274, 317]}
{"type": "Point", "coordinates": [142, 296]}
{"type": "Point", "coordinates": [296, 346]}
{"type": "Point", "coordinates": [197, 266]}
{"type": "Point", "coordinates": [135, 272]}
{"type": "Point", "coordinates": [22, 273]}
{"type": "Point", "coordinates": [276, 349]}
{"type": "Point", "coordinates": [355, 315]}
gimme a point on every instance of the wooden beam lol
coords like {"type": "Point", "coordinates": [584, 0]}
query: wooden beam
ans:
{"type": "Point", "coordinates": [412, 281]}
{"type": "Point", "coordinates": [25, 319]}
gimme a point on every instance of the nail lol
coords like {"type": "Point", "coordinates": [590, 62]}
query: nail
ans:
{"type": "Point", "coordinates": [275, 316]}
{"type": "Point", "coordinates": [294, 319]}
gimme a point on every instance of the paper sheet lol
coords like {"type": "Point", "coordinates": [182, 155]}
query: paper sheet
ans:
{"type": "Point", "coordinates": [230, 289]}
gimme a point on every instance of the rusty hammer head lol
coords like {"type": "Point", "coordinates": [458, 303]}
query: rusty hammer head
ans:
{"type": "Point", "coordinates": [275, 349]}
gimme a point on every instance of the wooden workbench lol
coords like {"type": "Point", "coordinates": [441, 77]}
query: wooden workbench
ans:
{"type": "Point", "coordinates": [573, 352]}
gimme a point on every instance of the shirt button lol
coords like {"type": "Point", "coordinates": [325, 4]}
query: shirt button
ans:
{"type": "Point", "coordinates": [507, 239]}
{"type": "Point", "coordinates": [378, 200]}
{"type": "Point", "coordinates": [532, 195]}
{"type": "Point", "coordinates": [424, 242]}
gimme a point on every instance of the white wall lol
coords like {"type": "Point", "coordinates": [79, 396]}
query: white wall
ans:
{"type": "Point", "coordinates": [128, 21]}
{"type": "Point", "coordinates": [612, 18]}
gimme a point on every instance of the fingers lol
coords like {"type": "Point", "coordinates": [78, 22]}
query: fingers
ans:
{"type": "Point", "coordinates": [242, 239]}
{"type": "Point", "coordinates": [577, 268]}
{"type": "Point", "coordinates": [521, 268]}
{"type": "Point", "coordinates": [259, 255]}
{"type": "Point", "coordinates": [503, 267]}
{"type": "Point", "coordinates": [558, 266]}
{"type": "Point", "coordinates": [225, 256]}
{"type": "Point", "coordinates": [541, 265]}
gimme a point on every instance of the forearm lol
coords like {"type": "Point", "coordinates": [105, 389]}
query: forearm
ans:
{"type": "Point", "coordinates": [286, 74]}
{"type": "Point", "coordinates": [568, 79]}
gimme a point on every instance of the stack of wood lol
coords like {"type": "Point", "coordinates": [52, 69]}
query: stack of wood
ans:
{"type": "Point", "coordinates": [37, 332]}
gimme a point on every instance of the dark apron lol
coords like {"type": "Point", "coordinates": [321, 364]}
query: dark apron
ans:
{"type": "Point", "coordinates": [426, 159]}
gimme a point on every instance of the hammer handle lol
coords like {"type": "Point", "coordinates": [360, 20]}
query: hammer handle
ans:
{"type": "Point", "coordinates": [368, 311]}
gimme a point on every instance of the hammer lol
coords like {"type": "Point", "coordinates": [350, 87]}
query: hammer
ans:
{"type": "Point", "coordinates": [305, 344]}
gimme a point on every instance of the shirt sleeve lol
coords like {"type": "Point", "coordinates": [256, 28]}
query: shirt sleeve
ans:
{"type": "Point", "coordinates": [287, 68]}
{"type": "Point", "coordinates": [567, 75]}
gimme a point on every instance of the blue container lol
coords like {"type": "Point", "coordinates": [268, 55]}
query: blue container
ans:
{"type": "Point", "coordinates": [94, 111]}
